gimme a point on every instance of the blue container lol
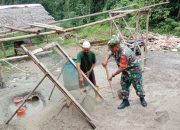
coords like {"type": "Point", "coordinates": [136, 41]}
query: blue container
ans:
{"type": "Point", "coordinates": [70, 76]}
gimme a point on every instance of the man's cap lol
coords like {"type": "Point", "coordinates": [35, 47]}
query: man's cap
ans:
{"type": "Point", "coordinates": [114, 40]}
{"type": "Point", "coordinates": [86, 44]}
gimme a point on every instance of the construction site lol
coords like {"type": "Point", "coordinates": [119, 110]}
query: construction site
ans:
{"type": "Point", "coordinates": [39, 85]}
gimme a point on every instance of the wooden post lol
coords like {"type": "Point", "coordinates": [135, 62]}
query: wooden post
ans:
{"type": "Point", "coordinates": [147, 30]}
{"type": "Point", "coordinates": [142, 58]}
{"type": "Point", "coordinates": [111, 25]}
{"type": "Point", "coordinates": [3, 49]}
{"type": "Point", "coordinates": [136, 33]}
{"type": "Point", "coordinates": [2, 84]}
{"type": "Point", "coordinates": [47, 41]}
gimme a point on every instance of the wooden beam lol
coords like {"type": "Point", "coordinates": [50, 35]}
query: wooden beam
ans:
{"type": "Point", "coordinates": [22, 30]}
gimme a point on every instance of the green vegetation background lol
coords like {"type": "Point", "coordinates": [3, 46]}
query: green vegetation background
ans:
{"type": "Point", "coordinates": [164, 19]}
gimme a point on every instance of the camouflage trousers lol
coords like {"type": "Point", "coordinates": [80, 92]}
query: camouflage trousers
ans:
{"type": "Point", "coordinates": [134, 77]}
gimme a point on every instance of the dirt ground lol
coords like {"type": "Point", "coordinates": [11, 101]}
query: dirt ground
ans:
{"type": "Point", "coordinates": [161, 84]}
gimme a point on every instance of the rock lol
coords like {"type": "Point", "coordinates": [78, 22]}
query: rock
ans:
{"type": "Point", "coordinates": [177, 46]}
{"type": "Point", "coordinates": [174, 50]}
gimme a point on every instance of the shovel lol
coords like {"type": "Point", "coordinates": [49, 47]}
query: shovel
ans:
{"type": "Point", "coordinates": [112, 90]}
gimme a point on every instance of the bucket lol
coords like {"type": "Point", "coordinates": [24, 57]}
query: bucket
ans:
{"type": "Point", "coordinates": [21, 111]}
{"type": "Point", "coordinates": [18, 100]}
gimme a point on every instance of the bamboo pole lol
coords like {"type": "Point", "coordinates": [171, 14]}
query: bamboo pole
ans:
{"type": "Point", "coordinates": [147, 31]}
{"type": "Point", "coordinates": [136, 34]}
{"type": "Point", "coordinates": [93, 23]}
{"type": "Point", "coordinates": [22, 30]}
{"type": "Point", "coordinates": [2, 84]}
{"type": "Point", "coordinates": [128, 28]}
{"type": "Point", "coordinates": [142, 58]}
{"type": "Point", "coordinates": [111, 28]}
{"type": "Point", "coordinates": [3, 49]}
{"type": "Point", "coordinates": [89, 15]}
{"type": "Point", "coordinates": [26, 36]}
{"type": "Point", "coordinates": [13, 58]}
{"type": "Point", "coordinates": [26, 98]}
{"type": "Point", "coordinates": [140, 9]}
{"type": "Point", "coordinates": [57, 79]}
{"type": "Point", "coordinates": [46, 26]}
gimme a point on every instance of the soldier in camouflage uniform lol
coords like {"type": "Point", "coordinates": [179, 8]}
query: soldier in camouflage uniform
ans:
{"type": "Point", "coordinates": [130, 67]}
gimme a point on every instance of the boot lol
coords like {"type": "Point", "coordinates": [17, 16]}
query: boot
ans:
{"type": "Point", "coordinates": [143, 102]}
{"type": "Point", "coordinates": [124, 104]}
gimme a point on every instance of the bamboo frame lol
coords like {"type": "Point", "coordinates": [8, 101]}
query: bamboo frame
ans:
{"type": "Point", "coordinates": [128, 27]}
{"type": "Point", "coordinates": [61, 87]}
{"type": "Point", "coordinates": [75, 18]}
{"type": "Point", "coordinates": [52, 32]}
{"type": "Point", "coordinates": [117, 28]}
{"type": "Point", "coordinates": [65, 30]}
{"type": "Point", "coordinates": [56, 29]}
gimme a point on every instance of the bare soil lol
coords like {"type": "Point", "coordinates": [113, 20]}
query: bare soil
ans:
{"type": "Point", "coordinates": [161, 84]}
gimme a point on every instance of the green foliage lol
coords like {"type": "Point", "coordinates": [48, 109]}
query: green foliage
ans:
{"type": "Point", "coordinates": [170, 26]}
{"type": "Point", "coordinates": [61, 9]}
